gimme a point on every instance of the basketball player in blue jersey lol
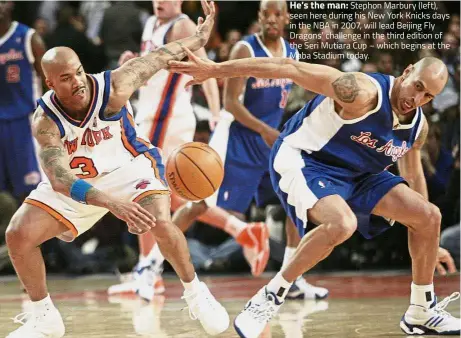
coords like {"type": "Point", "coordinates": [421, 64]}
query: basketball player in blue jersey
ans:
{"type": "Point", "coordinates": [244, 144]}
{"type": "Point", "coordinates": [329, 166]}
{"type": "Point", "coordinates": [20, 52]}
{"type": "Point", "coordinates": [95, 163]}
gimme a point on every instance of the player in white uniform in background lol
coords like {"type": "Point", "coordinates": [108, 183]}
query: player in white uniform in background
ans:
{"type": "Point", "coordinates": [95, 163]}
{"type": "Point", "coordinates": [165, 116]}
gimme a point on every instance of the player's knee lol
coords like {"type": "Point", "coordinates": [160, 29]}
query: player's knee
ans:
{"type": "Point", "coordinates": [17, 237]}
{"type": "Point", "coordinates": [197, 209]}
{"type": "Point", "coordinates": [162, 229]}
{"type": "Point", "coordinates": [343, 228]}
{"type": "Point", "coordinates": [430, 219]}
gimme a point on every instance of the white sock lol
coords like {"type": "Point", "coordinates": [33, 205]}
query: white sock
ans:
{"type": "Point", "coordinates": [156, 255]}
{"type": "Point", "coordinates": [234, 226]}
{"type": "Point", "coordinates": [279, 286]}
{"type": "Point", "coordinates": [422, 295]}
{"type": "Point", "coordinates": [143, 261]}
{"type": "Point", "coordinates": [43, 305]}
{"type": "Point", "coordinates": [192, 285]}
{"type": "Point", "coordinates": [289, 252]}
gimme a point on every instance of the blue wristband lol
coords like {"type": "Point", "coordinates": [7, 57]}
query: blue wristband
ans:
{"type": "Point", "coordinates": [79, 189]}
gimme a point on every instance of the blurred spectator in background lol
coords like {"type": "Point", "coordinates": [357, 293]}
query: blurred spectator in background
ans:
{"type": "Point", "coordinates": [385, 63]}
{"type": "Point", "coordinates": [253, 28]}
{"type": "Point", "coordinates": [232, 37]}
{"type": "Point", "coordinates": [121, 32]}
{"type": "Point", "coordinates": [70, 32]}
{"type": "Point", "coordinates": [41, 27]}
{"type": "Point", "coordinates": [93, 13]}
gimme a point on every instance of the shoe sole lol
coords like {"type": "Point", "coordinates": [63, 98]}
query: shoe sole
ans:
{"type": "Point", "coordinates": [240, 333]}
{"type": "Point", "coordinates": [420, 330]}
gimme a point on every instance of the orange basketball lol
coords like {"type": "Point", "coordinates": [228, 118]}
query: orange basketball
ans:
{"type": "Point", "coordinates": [194, 171]}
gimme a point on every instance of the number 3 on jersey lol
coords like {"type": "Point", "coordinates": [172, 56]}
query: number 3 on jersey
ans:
{"type": "Point", "coordinates": [86, 165]}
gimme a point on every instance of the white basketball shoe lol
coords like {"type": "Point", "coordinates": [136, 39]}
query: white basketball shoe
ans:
{"type": "Point", "coordinates": [301, 289]}
{"type": "Point", "coordinates": [433, 321]}
{"type": "Point", "coordinates": [145, 281]}
{"type": "Point", "coordinates": [259, 310]}
{"type": "Point", "coordinates": [45, 324]}
{"type": "Point", "coordinates": [204, 307]}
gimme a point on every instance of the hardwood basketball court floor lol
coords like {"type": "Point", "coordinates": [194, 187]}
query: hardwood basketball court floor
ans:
{"type": "Point", "coordinates": [358, 306]}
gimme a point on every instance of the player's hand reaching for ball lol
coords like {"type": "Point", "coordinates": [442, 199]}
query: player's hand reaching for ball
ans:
{"type": "Point", "coordinates": [138, 219]}
{"type": "Point", "coordinates": [200, 69]}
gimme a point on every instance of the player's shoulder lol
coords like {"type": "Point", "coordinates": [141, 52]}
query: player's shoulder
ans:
{"type": "Point", "coordinates": [21, 28]}
{"type": "Point", "coordinates": [244, 47]}
{"type": "Point", "coordinates": [183, 25]}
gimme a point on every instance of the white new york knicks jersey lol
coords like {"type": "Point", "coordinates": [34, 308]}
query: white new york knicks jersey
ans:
{"type": "Point", "coordinates": [98, 145]}
{"type": "Point", "coordinates": [165, 94]}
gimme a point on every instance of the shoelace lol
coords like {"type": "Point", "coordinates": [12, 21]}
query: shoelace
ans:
{"type": "Point", "coordinates": [440, 307]}
{"type": "Point", "coordinates": [196, 303]}
{"type": "Point", "coordinates": [22, 318]}
{"type": "Point", "coordinates": [264, 312]}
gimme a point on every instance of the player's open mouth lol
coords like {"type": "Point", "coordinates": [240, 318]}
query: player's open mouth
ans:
{"type": "Point", "coordinates": [79, 91]}
{"type": "Point", "coordinates": [406, 106]}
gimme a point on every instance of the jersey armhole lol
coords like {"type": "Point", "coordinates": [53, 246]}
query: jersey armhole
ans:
{"type": "Point", "coordinates": [105, 100]}
{"type": "Point", "coordinates": [28, 45]}
{"type": "Point", "coordinates": [246, 44]}
{"type": "Point", "coordinates": [52, 115]}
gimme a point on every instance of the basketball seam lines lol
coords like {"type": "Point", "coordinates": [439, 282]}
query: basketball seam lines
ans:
{"type": "Point", "coordinates": [204, 175]}
{"type": "Point", "coordinates": [179, 176]}
{"type": "Point", "coordinates": [211, 153]}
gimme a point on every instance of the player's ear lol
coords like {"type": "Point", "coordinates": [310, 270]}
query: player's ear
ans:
{"type": "Point", "coordinates": [408, 70]}
{"type": "Point", "coordinates": [49, 84]}
{"type": "Point", "coordinates": [287, 18]}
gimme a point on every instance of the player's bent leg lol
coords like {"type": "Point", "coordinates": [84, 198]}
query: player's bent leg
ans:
{"type": "Point", "coordinates": [300, 289]}
{"type": "Point", "coordinates": [423, 220]}
{"type": "Point", "coordinates": [185, 215]}
{"type": "Point", "coordinates": [202, 305]}
{"type": "Point", "coordinates": [337, 223]}
{"type": "Point", "coordinates": [30, 227]}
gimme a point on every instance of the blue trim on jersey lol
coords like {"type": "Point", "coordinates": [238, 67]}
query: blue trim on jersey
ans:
{"type": "Point", "coordinates": [53, 116]}
{"type": "Point", "coordinates": [141, 147]}
{"type": "Point", "coordinates": [165, 109]}
{"type": "Point", "coordinates": [105, 100]}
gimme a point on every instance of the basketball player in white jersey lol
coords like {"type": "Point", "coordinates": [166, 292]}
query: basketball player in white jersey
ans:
{"type": "Point", "coordinates": [165, 116]}
{"type": "Point", "coordinates": [95, 163]}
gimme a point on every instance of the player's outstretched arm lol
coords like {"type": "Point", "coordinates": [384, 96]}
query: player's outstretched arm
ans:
{"type": "Point", "coordinates": [134, 73]}
{"type": "Point", "coordinates": [353, 91]}
{"type": "Point", "coordinates": [55, 162]}
{"type": "Point", "coordinates": [411, 167]}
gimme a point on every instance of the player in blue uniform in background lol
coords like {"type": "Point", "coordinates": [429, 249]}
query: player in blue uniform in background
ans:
{"type": "Point", "coordinates": [244, 144]}
{"type": "Point", "coordinates": [329, 166]}
{"type": "Point", "coordinates": [21, 50]}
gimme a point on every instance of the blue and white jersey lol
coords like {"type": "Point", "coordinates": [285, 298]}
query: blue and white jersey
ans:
{"type": "Point", "coordinates": [369, 144]}
{"type": "Point", "coordinates": [20, 86]}
{"type": "Point", "coordinates": [266, 98]}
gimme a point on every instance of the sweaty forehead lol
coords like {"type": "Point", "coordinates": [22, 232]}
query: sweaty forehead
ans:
{"type": "Point", "coordinates": [62, 67]}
